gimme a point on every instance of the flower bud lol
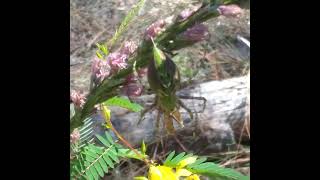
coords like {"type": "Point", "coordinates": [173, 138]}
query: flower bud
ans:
{"type": "Point", "coordinates": [154, 29]}
{"type": "Point", "coordinates": [196, 33]}
{"type": "Point", "coordinates": [187, 13]}
{"type": "Point", "coordinates": [131, 78]}
{"type": "Point", "coordinates": [75, 136]}
{"type": "Point", "coordinates": [230, 10]}
{"type": "Point", "coordinates": [100, 69]}
{"type": "Point", "coordinates": [77, 98]}
{"type": "Point", "coordinates": [133, 89]}
{"type": "Point", "coordinates": [117, 61]}
{"type": "Point", "coordinates": [142, 72]}
{"type": "Point", "coordinates": [128, 48]}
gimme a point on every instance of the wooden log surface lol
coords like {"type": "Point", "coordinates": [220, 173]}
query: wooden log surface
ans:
{"type": "Point", "coordinates": [215, 129]}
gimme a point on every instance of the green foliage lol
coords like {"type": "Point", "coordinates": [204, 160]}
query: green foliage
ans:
{"type": "Point", "coordinates": [158, 57]}
{"type": "Point", "coordinates": [72, 110]}
{"type": "Point", "coordinates": [124, 103]}
{"type": "Point", "coordinates": [125, 23]}
{"type": "Point", "coordinates": [187, 70]}
{"type": "Point", "coordinates": [143, 148]}
{"type": "Point", "coordinates": [172, 161]}
{"type": "Point", "coordinates": [217, 2]}
{"type": "Point", "coordinates": [86, 132]}
{"type": "Point", "coordinates": [95, 161]}
{"type": "Point", "coordinates": [201, 167]}
{"type": "Point", "coordinates": [102, 49]}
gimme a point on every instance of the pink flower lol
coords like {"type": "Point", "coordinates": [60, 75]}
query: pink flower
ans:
{"type": "Point", "coordinates": [142, 72]}
{"type": "Point", "coordinates": [230, 10]}
{"type": "Point", "coordinates": [196, 33]}
{"type": "Point", "coordinates": [117, 61]}
{"type": "Point", "coordinates": [128, 48]}
{"type": "Point", "coordinates": [131, 78]}
{"type": "Point", "coordinates": [133, 89]}
{"type": "Point", "coordinates": [100, 69]}
{"type": "Point", "coordinates": [75, 136]}
{"type": "Point", "coordinates": [184, 14]}
{"type": "Point", "coordinates": [77, 98]}
{"type": "Point", "coordinates": [187, 13]}
{"type": "Point", "coordinates": [154, 29]}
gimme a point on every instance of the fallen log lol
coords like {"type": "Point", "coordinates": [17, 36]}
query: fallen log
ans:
{"type": "Point", "coordinates": [217, 128]}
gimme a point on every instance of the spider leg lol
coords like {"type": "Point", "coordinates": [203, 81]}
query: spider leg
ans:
{"type": "Point", "coordinates": [145, 111]}
{"type": "Point", "coordinates": [157, 134]}
{"type": "Point", "coordinates": [198, 98]}
{"type": "Point", "coordinates": [186, 108]}
{"type": "Point", "coordinates": [158, 123]}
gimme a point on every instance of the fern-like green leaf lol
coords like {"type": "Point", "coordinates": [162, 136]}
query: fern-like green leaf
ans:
{"type": "Point", "coordinates": [168, 159]}
{"type": "Point", "coordinates": [113, 155]}
{"type": "Point", "coordinates": [89, 175]}
{"type": "Point", "coordinates": [201, 167]}
{"type": "Point", "coordinates": [197, 162]}
{"type": "Point", "coordinates": [94, 173]}
{"type": "Point", "coordinates": [175, 160]}
{"type": "Point", "coordinates": [103, 165]}
{"type": "Point", "coordinates": [94, 161]}
{"type": "Point", "coordinates": [108, 160]}
{"type": "Point", "coordinates": [103, 141]}
{"type": "Point", "coordinates": [124, 103]}
{"type": "Point", "coordinates": [95, 149]}
{"type": "Point", "coordinates": [99, 169]}
{"type": "Point", "coordinates": [128, 153]}
{"type": "Point", "coordinates": [86, 132]}
{"type": "Point", "coordinates": [97, 160]}
{"type": "Point", "coordinates": [213, 170]}
{"type": "Point", "coordinates": [125, 23]}
{"type": "Point", "coordinates": [91, 153]}
{"type": "Point", "coordinates": [90, 158]}
{"type": "Point", "coordinates": [109, 138]}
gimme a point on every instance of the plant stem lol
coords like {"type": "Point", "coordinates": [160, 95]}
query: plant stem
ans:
{"type": "Point", "coordinates": [122, 139]}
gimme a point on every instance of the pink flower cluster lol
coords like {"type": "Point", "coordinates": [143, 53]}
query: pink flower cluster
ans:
{"type": "Point", "coordinates": [115, 61]}
{"type": "Point", "coordinates": [230, 10]}
{"type": "Point", "coordinates": [154, 29]}
{"type": "Point", "coordinates": [77, 98]}
{"type": "Point", "coordinates": [100, 69]}
{"type": "Point", "coordinates": [75, 136]}
{"type": "Point", "coordinates": [196, 33]}
{"type": "Point", "coordinates": [128, 48]}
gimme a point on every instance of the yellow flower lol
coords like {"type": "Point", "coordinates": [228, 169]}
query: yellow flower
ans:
{"type": "Point", "coordinates": [186, 161]}
{"type": "Point", "coordinates": [161, 173]}
{"type": "Point", "coordinates": [168, 173]}
{"type": "Point", "coordinates": [193, 177]}
{"type": "Point", "coordinates": [154, 173]}
{"type": "Point", "coordinates": [183, 172]}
